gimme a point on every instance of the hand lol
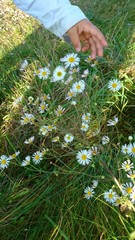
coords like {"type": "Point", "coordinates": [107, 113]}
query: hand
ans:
{"type": "Point", "coordinates": [86, 36]}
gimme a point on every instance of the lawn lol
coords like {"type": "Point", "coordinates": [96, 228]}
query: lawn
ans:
{"type": "Point", "coordinates": [67, 139]}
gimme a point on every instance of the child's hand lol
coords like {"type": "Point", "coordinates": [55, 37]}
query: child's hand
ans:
{"type": "Point", "coordinates": [85, 36]}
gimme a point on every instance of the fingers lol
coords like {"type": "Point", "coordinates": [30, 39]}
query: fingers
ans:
{"type": "Point", "coordinates": [95, 32]}
{"type": "Point", "coordinates": [74, 37]}
{"type": "Point", "coordinates": [98, 45]}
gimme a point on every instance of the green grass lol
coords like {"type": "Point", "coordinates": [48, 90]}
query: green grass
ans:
{"type": "Point", "coordinates": [46, 201]}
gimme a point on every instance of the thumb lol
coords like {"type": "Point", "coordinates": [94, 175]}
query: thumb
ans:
{"type": "Point", "coordinates": [74, 37]}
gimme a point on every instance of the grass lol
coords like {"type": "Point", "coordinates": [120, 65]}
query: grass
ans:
{"type": "Point", "coordinates": [46, 201]}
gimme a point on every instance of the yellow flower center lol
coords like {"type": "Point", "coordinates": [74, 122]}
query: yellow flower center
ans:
{"type": "Point", "coordinates": [127, 166]}
{"type": "Point", "coordinates": [68, 137]}
{"type": "Point", "coordinates": [50, 127]}
{"type": "Point", "coordinates": [59, 74]}
{"type": "Point", "coordinates": [70, 94]}
{"type": "Point", "coordinates": [129, 190]}
{"type": "Point", "coordinates": [110, 195]}
{"type": "Point", "coordinates": [84, 157]}
{"type": "Point", "coordinates": [78, 87]}
{"type": "Point", "coordinates": [44, 73]}
{"type": "Point", "coordinates": [26, 120]}
{"type": "Point", "coordinates": [59, 112]}
{"type": "Point", "coordinates": [114, 85]}
{"type": "Point", "coordinates": [89, 193]}
{"type": "Point", "coordinates": [36, 157]}
{"type": "Point", "coordinates": [3, 161]}
{"type": "Point", "coordinates": [118, 201]}
{"type": "Point", "coordinates": [13, 155]}
{"type": "Point", "coordinates": [43, 107]}
{"type": "Point", "coordinates": [71, 59]}
{"type": "Point", "coordinates": [86, 118]}
{"type": "Point", "coordinates": [132, 176]}
{"type": "Point", "coordinates": [133, 149]}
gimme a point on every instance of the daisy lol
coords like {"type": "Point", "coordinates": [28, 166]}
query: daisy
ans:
{"type": "Point", "coordinates": [78, 87]}
{"type": "Point", "coordinates": [4, 161]}
{"type": "Point", "coordinates": [14, 155]}
{"type": "Point", "coordinates": [132, 197]}
{"type": "Point", "coordinates": [125, 149]}
{"type": "Point", "coordinates": [29, 140]}
{"type": "Point", "coordinates": [131, 149]}
{"type": "Point", "coordinates": [44, 151]}
{"type": "Point", "coordinates": [89, 192]}
{"type": "Point", "coordinates": [113, 122]}
{"type": "Point", "coordinates": [56, 139]}
{"type": "Point", "coordinates": [23, 65]}
{"type": "Point", "coordinates": [71, 60]}
{"type": "Point", "coordinates": [127, 188]}
{"type": "Point", "coordinates": [118, 201]}
{"type": "Point", "coordinates": [105, 140]}
{"type": "Point", "coordinates": [30, 99]}
{"type": "Point", "coordinates": [51, 127]}
{"type": "Point", "coordinates": [59, 74]}
{"type": "Point", "coordinates": [37, 157]}
{"type": "Point", "coordinates": [85, 73]}
{"type": "Point", "coordinates": [84, 127]}
{"type": "Point", "coordinates": [73, 103]}
{"type": "Point", "coordinates": [83, 157]}
{"type": "Point", "coordinates": [94, 183]}
{"type": "Point", "coordinates": [43, 107]}
{"type": "Point", "coordinates": [88, 59]}
{"type": "Point", "coordinates": [44, 73]}
{"type": "Point", "coordinates": [127, 165]}
{"type": "Point", "coordinates": [37, 72]}
{"type": "Point", "coordinates": [70, 94]}
{"type": "Point", "coordinates": [26, 162]}
{"type": "Point", "coordinates": [114, 85]}
{"type": "Point", "coordinates": [110, 196]}
{"type": "Point", "coordinates": [27, 118]}
{"type": "Point", "coordinates": [94, 150]}
{"type": "Point", "coordinates": [131, 174]}
{"type": "Point", "coordinates": [86, 117]}
{"type": "Point", "coordinates": [73, 70]}
{"type": "Point", "coordinates": [45, 97]}
{"type": "Point", "coordinates": [43, 130]}
{"type": "Point", "coordinates": [59, 111]}
{"type": "Point", "coordinates": [68, 138]}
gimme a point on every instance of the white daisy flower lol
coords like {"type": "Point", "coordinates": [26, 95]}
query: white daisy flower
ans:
{"type": "Point", "coordinates": [29, 140]}
{"type": "Point", "coordinates": [131, 149]}
{"type": "Point", "coordinates": [132, 197]}
{"type": "Point", "coordinates": [45, 97]}
{"type": "Point", "coordinates": [58, 74]}
{"type": "Point", "coordinates": [88, 59]}
{"type": "Point", "coordinates": [110, 196]}
{"type": "Point", "coordinates": [4, 161]}
{"type": "Point", "coordinates": [43, 107]}
{"type": "Point", "coordinates": [56, 139]}
{"type": "Point", "coordinates": [60, 110]}
{"type": "Point", "coordinates": [37, 157]}
{"type": "Point", "coordinates": [85, 73]}
{"type": "Point", "coordinates": [127, 188]}
{"type": "Point", "coordinates": [86, 117]}
{"type": "Point", "coordinates": [43, 130]}
{"type": "Point", "coordinates": [125, 149]}
{"type": "Point", "coordinates": [114, 85]}
{"type": "Point", "coordinates": [30, 99]}
{"type": "Point", "coordinates": [94, 183]}
{"type": "Point", "coordinates": [73, 70]}
{"type": "Point", "coordinates": [78, 87]}
{"type": "Point", "coordinates": [51, 128]}
{"type": "Point", "coordinates": [44, 73]}
{"type": "Point", "coordinates": [71, 60]}
{"type": "Point", "coordinates": [38, 72]}
{"type": "Point", "coordinates": [89, 192]}
{"type": "Point", "coordinates": [131, 174]}
{"type": "Point", "coordinates": [94, 150]}
{"type": "Point", "coordinates": [84, 157]}
{"type": "Point", "coordinates": [14, 155]}
{"type": "Point", "coordinates": [44, 151]}
{"type": "Point", "coordinates": [84, 127]}
{"type": "Point", "coordinates": [73, 103]}
{"type": "Point", "coordinates": [127, 165]}
{"type": "Point", "coordinates": [23, 65]}
{"type": "Point", "coordinates": [130, 138]}
{"type": "Point", "coordinates": [118, 201]}
{"type": "Point", "coordinates": [26, 162]}
{"type": "Point", "coordinates": [70, 94]}
{"type": "Point", "coordinates": [112, 122]}
{"type": "Point", "coordinates": [27, 118]}
{"type": "Point", "coordinates": [68, 138]}
{"type": "Point", "coordinates": [105, 140]}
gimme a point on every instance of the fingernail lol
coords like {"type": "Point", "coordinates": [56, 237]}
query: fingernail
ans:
{"type": "Point", "coordinates": [78, 49]}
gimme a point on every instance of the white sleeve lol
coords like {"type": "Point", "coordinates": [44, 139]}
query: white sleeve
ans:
{"type": "Point", "coordinates": [58, 16]}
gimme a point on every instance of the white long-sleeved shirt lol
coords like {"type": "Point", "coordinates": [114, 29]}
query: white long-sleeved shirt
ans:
{"type": "Point", "coordinates": [58, 16]}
